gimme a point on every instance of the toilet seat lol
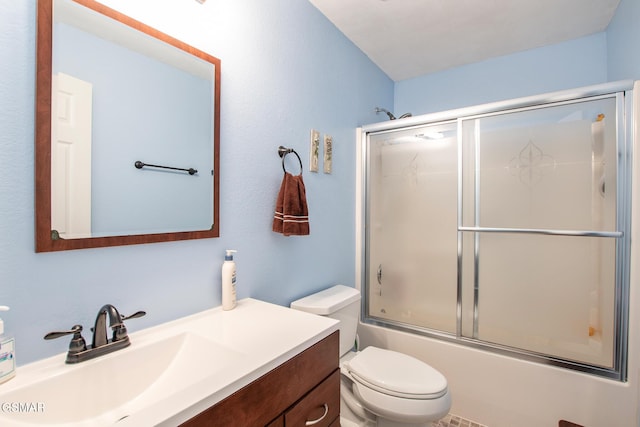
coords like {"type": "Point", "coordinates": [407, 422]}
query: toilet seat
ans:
{"type": "Point", "coordinates": [396, 386]}
{"type": "Point", "coordinates": [402, 409]}
{"type": "Point", "coordinates": [396, 374]}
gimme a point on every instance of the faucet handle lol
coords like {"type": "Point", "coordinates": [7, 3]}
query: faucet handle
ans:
{"type": "Point", "coordinates": [77, 343]}
{"type": "Point", "coordinates": [133, 316]}
{"type": "Point", "coordinates": [120, 330]}
{"type": "Point", "coordinates": [76, 329]}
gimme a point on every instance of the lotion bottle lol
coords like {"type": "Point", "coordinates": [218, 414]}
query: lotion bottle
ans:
{"type": "Point", "coordinates": [229, 281]}
{"type": "Point", "coordinates": [7, 353]}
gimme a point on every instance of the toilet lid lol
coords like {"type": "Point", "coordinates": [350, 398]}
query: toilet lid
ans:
{"type": "Point", "coordinates": [397, 374]}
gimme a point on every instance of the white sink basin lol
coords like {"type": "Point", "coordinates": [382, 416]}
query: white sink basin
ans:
{"type": "Point", "coordinates": [110, 388]}
{"type": "Point", "coordinates": [170, 373]}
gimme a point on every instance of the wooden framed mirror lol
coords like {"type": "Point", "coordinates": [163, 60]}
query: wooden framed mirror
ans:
{"type": "Point", "coordinates": [127, 137]}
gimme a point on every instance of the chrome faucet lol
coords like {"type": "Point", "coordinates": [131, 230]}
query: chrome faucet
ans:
{"type": "Point", "coordinates": [101, 344]}
{"type": "Point", "coordinates": [115, 322]}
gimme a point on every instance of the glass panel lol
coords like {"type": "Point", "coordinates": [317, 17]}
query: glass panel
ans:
{"type": "Point", "coordinates": [549, 294]}
{"type": "Point", "coordinates": [545, 168]}
{"type": "Point", "coordinates": [554, 297]}
{"type": "Point", "coordinates": [412, 234]}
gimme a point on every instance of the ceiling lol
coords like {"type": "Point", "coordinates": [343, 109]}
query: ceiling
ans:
{"type": "Point", "coordinates": [410, 38]}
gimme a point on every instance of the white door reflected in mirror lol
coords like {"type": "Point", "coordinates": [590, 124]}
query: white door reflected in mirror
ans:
{"type": "Point", "coordinates": [71, 156]}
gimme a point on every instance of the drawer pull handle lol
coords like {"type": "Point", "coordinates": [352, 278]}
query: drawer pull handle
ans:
{"type": "Point", "coordinates": [312, 422]}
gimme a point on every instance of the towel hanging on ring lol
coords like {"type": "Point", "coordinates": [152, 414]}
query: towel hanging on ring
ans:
{"type": "Point", "coordinates": [291, 216]}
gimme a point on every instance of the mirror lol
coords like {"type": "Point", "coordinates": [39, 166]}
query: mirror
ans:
{"type": "Point", "coordinates": [127, 135]}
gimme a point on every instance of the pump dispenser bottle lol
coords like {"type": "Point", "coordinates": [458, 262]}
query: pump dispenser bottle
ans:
{"type": "Point", "coordinates": [7, 353]}
{"type": "Point", "coordinates": [229, 281]}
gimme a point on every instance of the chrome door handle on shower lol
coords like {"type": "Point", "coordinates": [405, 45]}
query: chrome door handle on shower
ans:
{"type": "Point", "coordinates": [379, 274]}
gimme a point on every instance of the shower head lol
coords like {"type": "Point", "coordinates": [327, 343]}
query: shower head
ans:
{"type": "Point", "coordinates": [382, 110]}
{"type": "Point", "coordinates": [391, 116]}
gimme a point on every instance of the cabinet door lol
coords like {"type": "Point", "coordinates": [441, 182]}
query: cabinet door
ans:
{"type": "Point", "coordinates": [267, 398]}
{"type": "Point", "coordinates": [278, 422]}
{"type": "Point", "coordinates": [320, 407]}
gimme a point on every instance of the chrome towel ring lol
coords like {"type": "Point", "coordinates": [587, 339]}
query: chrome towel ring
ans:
{"type": "Point", "coordinates": [283, 151]}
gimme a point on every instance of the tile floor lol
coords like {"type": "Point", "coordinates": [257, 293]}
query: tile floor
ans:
{"type": "Point", "coordinates": [455, 421]}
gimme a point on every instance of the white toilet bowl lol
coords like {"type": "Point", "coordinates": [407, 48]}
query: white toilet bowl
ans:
{"type": "Point", "coordinates": [398, 387]}
{"type": "Point", "coordinates": [382, 388]}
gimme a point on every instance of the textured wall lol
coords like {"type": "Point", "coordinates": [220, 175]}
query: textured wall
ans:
{"type": "Point", "coordinates": [285, 70]}
{"type": "Point", "coordinates": [623, 37]}
{"type": "Point", "coordinates": [579, 62]}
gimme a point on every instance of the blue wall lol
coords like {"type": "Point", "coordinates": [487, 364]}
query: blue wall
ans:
{"type": "Point", "coordinates": [579, 62]}
{"type": "Point", "coordinates": [137, 93]}
{"type": "Point", "coordinates": [598, 58]}
{"type": "Point", "coordinates": [285, 70]}
{"type": "Point", "coordinates": [623, 39]}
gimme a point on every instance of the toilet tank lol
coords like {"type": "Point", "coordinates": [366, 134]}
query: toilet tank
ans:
{"type": "Point", "coordinates": [338, 302]}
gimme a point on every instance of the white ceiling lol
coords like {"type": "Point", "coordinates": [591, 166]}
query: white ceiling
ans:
{"type": "Point", "coordinates": [409, 38]}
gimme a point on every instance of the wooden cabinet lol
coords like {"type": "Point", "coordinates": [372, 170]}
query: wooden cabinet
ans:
{"type": "Point", "coordinates": [291, 395]}
{"type": "Point", "coordinates": [319, 407]}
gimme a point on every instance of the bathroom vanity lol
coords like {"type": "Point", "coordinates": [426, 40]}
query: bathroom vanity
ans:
{"type": "Point", "coordinates": [306, 388]}
{"type": "Point", "coordinates": [259, 364]}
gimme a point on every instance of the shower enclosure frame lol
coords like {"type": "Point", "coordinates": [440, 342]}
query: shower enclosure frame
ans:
{"type": "Point", "coordinates": [623, 94]}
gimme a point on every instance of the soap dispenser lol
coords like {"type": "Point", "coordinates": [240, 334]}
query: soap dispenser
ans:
{"type": "Point", "coordinates": [229, 281]}
{"type": "Point", "coordinates": [7, 353]}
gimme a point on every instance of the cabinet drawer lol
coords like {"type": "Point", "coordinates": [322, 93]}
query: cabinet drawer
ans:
{"type": "Point", "coordinates": [319, 408]}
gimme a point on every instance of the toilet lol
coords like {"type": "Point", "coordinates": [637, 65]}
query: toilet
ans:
{"type": "Point", "coordinates": [379, 387]}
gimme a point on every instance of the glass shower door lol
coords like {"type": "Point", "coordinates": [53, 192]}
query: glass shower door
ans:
{"type": "Point", "coordinates": [539, 227]}
{"type": "Point", "coordinates": [505, 227]}
{"type": "Point", "coordinates": [412, 191]}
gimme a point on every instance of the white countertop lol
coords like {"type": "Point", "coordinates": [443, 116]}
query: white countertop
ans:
{"type": "Point", "coordinates": [264, 335]}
